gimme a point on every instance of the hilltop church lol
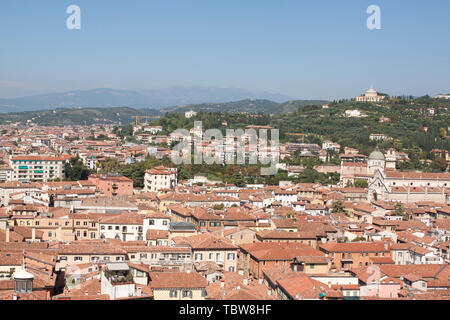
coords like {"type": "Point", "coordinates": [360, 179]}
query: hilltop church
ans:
{"type": "Point", "coordinates": [371, 96]}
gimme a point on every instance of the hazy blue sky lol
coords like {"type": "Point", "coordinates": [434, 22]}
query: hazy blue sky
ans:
{"type": "Point", "coordinates": [305, 49]}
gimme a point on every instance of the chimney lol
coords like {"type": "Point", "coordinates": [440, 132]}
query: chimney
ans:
{"type": "Point", "coordinates": [222, 284]}
{"type": "Point", "coordinates": [245, 282]}
{"type": "Point", "coordinates": [260, 281]}
{"type": "Point", "coordinates": [7, 234]}
{"type": "Point", "coordinates": [139, 291]}
{"type": "Point", "coordinates": [269, 292]}
{"type": "Point", "coordinates": [33, 234]}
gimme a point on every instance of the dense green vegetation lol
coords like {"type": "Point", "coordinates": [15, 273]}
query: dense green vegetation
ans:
{"type": "Point", "coordinates": [75, 170]}
{"type": "Point", "coordinates": [136, 171]}
{"type": "Point", "coordinates": [406, 126]}
{"type": "Point", "coordinates": [248, 106]}
{"type": "Point", "coordinates": [399, 212]}
{"type": "Point", "coordinates": [77, 116]}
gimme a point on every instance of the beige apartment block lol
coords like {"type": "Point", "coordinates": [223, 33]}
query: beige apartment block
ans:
{"type": "Point", "coordinates": [160, 178]}
{"type": "Point", "coordinates": [37, 168]}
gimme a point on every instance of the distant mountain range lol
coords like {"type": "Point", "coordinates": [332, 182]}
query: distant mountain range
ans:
{"type": "Point", "coordinates": [96, 98]}
{"type": "Point", "coordinates": [152, 99]}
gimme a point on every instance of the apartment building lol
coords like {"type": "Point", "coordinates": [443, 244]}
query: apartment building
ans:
{"type": "Point", "coordinates": [346, 256]}
{"type": "Point", "coordinates": [160, 178]}
{"type": "Point", "coordinates": [64, 228]}
{"type": "Point", "coordinates": [286, 197]}
{"type": "Point", "coordinates": [407, 253]}
{"type": "Point", "coordinates": [88, 251]}
{"type": "Point", "coordinates": [125, 227]}
{"type": "Point", "coordinates": [255, 257]}
{"type": "Point", "coordinates": [208, 247]}
{"type": "Point", "coordinates": [156, 221]}
{"type": "Point", "coordinates": [55, 229]}
{"type": "Point", "coordinates": [177, 286]}
{"type": "Point", "coordinates": [165, 257]}
{"type": "Point", "coordinates": [113, 185]}
{"type": "Point", "coordinates": [85, 227]}
{"type": "Point", "coordinates": [5, 173]}
{"type": "Point", "coordinates": [280, 236]}
{"type": "Point", "coordinates": [37, 168]}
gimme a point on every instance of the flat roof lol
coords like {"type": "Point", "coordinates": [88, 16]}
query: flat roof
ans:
{"type": "Point", "coordinates": [120, 266]}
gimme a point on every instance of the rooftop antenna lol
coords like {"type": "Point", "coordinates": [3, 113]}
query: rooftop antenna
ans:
{"type": "Point", "coordinates": [23, 259]}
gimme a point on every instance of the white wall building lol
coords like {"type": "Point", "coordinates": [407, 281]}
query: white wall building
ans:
{"type": "Point", "coordinates": [160, 178]}
{"type": "Point", "coordinates": [125, 227]}
{"type": "Point", "coordinates": [37, 168]}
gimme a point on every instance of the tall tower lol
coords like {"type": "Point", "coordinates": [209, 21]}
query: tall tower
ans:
{"type": "Point", "coordinates": [391, 159]}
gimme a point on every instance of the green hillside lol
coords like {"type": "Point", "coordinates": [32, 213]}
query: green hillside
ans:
{"type": "Point", "coordinates": [78, 116]}
{"type": "Point", "coordinates": [249, 106]}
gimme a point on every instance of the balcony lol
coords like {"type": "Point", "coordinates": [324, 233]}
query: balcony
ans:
{"type": "Point", "coordinates": [117, 281]}
{"type": "Point", "coordinates": [119, 278]}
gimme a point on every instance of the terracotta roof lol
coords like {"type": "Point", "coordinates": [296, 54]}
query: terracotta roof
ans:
{"type": "Point", "coordinates": [11, 259]}
{"type": "Point", "coordinates": [302, 287]}
{"type": "Point", "coordinates": [381, 260]}
{"type": "Point", "coordinates": [233, 286]}
{"type": "Point", "coordinates": [39, 158]}
{"type": "Point", "coordinates": [418, 175]}
{"type": "Point", "coordinates": [422, 270]}
{"type": "Point", "coordinates": [208, 241]}
{"type": "Point", "coordinates": [157, 234]}
{"type": "Point", "coordinates": [90, 248]}
{"type": "Point", "coordinates": [285, 235]}
{"type": "Point", "coordinates": [128, 219]}
{"type": "Point", "coordinates": [166, 280]}
{"type": "Point", "coordinates": [354, 247]}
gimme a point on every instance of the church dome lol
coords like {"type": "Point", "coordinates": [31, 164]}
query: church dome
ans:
{"type": "Point", "coordinates": [23, 275]}
{"type": "Point", "coordinates": [376, 155]}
